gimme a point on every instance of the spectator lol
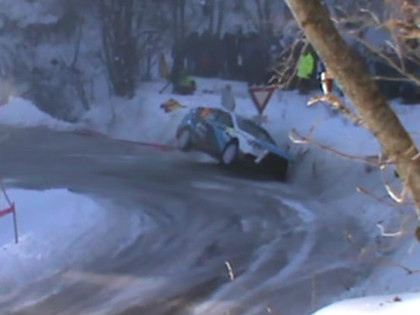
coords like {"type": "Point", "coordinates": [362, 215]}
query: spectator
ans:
{"type": "Point", "coordinates": [228, 98]}
{"type": "Point", "coordinates": [306, 71]}
{"type": "Point", "coordinates": [184, 85]}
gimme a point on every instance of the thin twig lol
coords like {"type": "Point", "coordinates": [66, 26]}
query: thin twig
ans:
{"type": "Point", "coordinates": [398, 198]}
{"type": "Point", "coordinates": [230, 270]}
{"type": "Point", "coordinates": [299, 139]}
{"type": "Point", "coordinates": [338, 105]}
{"type": "Point", "coordinates": [388, 234]}
{"type": "Point", "coordinates": [364, 191]}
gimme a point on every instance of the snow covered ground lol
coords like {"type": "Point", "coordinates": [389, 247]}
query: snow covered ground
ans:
{"type": "Point", "coordinates": [319, 174]}
{"type": "Point", "coordinates": [22, 113]}
{"type": "Point", "coordinates": [42, 214]}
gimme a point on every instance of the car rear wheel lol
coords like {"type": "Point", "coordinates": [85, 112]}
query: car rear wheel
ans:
{"type": "Point", "coordinates": [229, 153]}
{"type": "Point", "coordinates": [184, 140]}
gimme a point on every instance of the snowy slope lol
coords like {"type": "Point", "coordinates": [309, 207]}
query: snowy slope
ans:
{"type": "Point", "coordinates": [319, 174]}
{"type": "Point", "coordinates": [42, 214]}
{"type": "Point", "coordinates": [20, 112]}
{"type": "Point", "coordinates": [407, 304]}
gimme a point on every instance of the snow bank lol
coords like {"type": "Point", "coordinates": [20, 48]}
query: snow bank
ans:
{"type": "Point", "coordinates": [21, 112]}
{"type": "Point", "coordinates": [27, 12]}
{"type": "Point", "coordinates": [407, 304]}
{"type": "Point", "coordinates": [60, 231]}
{"type": "Point", "coordinates": [49, 223]}
{"type": "Point", "coordinates": [142, 119]}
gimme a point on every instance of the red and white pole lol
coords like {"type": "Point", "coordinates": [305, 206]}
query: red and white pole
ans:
{"type": "Point", "coordinates": [10, 210]}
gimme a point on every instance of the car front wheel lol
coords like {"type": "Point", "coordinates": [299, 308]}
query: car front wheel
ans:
{"type": "Point", "coordinates": [184, 140]}
{"type": "Point", "coordinates": [229, 153]}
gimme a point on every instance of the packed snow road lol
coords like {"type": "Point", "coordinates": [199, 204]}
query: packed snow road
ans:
{"type": "Point", "coordinates": [181, 236]}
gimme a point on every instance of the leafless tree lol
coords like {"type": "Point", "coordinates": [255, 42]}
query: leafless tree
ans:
{"type": "Point", "coordinates": [264, 8]}
{"type": "Point", "coordinates": [221, 15]}
{"type": "Point", "coordinates": [120, 44]}
{"type": "Point", "coordinates": [395, 19]}
{"type": "Point", "coordinates": [398, 147]}
{"type": "Point", "coordinates": [178, 15]}
{"type": "Point", "coordinates": [259, 13]}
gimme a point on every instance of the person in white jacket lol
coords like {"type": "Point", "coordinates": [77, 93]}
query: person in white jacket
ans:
{"type": "Point", "coordinates": [228, 98]}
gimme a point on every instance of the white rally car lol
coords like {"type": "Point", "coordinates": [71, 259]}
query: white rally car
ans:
{"type": "Point", "coordinates": [231, 139]}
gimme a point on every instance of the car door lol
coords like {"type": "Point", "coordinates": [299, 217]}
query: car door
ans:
{"type": "Point", "coordinates": [205, 130]}
{"type": "Point", "coordinates": [212, 132]}
{"type": "Point", "coordinates": [223, 124]}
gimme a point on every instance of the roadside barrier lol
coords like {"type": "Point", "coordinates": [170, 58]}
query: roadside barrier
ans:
{"type": "Point", "coordinates": [10, 209]}
{"type": "Point", "coordinates": [157, 145]}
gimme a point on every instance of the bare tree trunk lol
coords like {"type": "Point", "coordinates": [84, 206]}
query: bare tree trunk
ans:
{"type": "Point", "coordinates": [267, 14]}
{"type": "Point", "coordinates": [77, 45]}
{"type": "Point", "coordinates": [211, 17]}
{"type": "Point", "coordinates": [358, 85]}
{"type": "Point", "coordinates": [120, 45]}
{"type": "Point", "coordinates": [75, 75]}
{"type": "Point", "coordinates": [221, 9]}
{"type": "Point", "coordinates": [178, 16]}
{"type": "Point", "coordinates": [175, 19]}
{"type": "Point", "coordinates": [182, 18]}
{"type": "Point", "coordinates": [264, 16]}
{"type": "Point", "coordinates": [260, 12]}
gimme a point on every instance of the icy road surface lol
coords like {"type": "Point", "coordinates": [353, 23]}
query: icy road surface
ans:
{"type": "Point", "coordinates": [181, 236]}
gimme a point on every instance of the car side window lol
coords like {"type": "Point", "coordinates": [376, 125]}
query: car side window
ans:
{"type": "Point", "coordinates": [203, 111]}
{"type": "Point", "coordinates": [224, 119]}
{"type": "Point", "coordinates": [208, 113]}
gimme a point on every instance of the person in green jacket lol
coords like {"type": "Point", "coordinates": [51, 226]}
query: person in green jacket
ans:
{"type": "Point", "coordinates": [184, 84]}
{"type": "Point", "coordinates": [306, 70]}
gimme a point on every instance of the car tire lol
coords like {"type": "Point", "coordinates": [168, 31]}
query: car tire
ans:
{"type": "Point", "coordinates": [184, 140]}
{"type": "Point", "coordinates": [230, 153]}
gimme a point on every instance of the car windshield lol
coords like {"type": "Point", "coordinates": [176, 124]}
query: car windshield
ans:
{"type": "Point", "coordinates": [252, 128]}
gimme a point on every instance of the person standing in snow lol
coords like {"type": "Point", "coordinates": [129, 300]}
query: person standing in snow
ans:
{"type": "Point", "coordinates": [306, 70]}
{"type": "Point", "coordinates": [184, 84]}
{"type": "Point", "coordinates": [228, 98]}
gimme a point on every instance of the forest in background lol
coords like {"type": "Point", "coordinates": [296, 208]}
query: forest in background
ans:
{"type": "Point", "coordinates": [66, 55]}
